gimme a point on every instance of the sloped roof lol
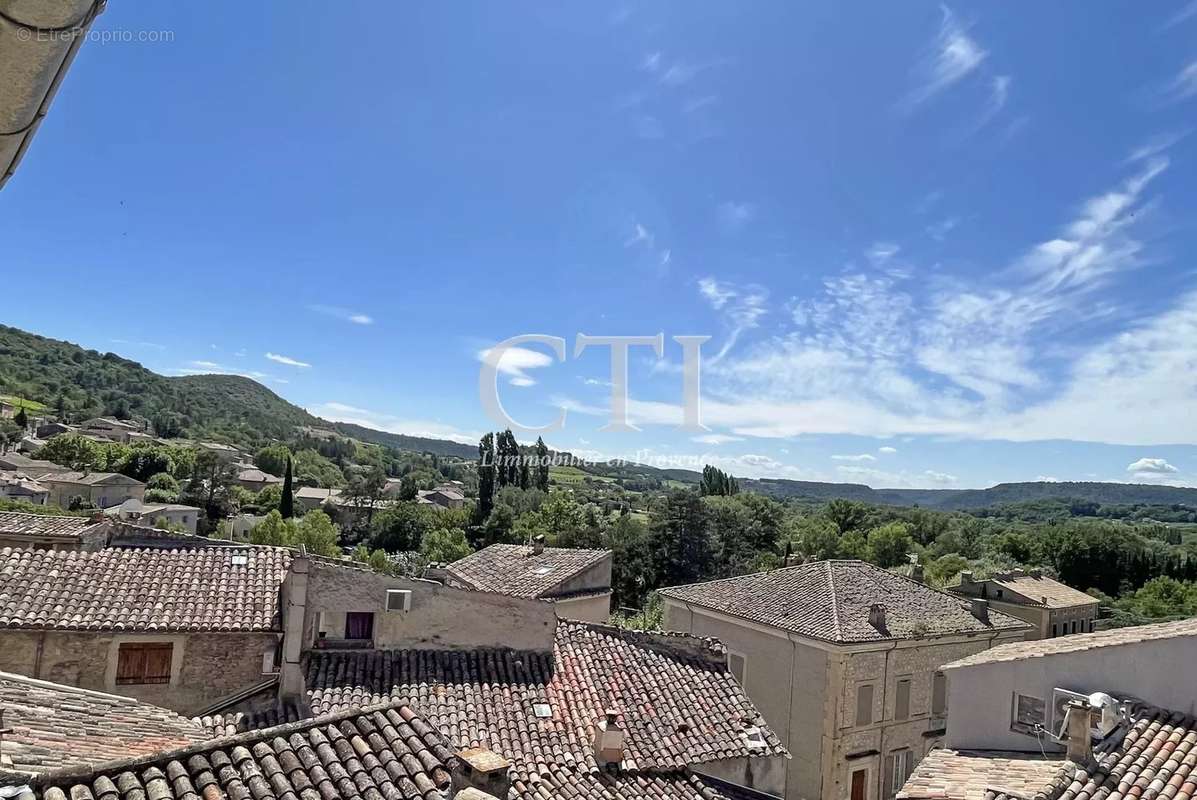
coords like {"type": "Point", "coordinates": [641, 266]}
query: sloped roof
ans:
{"type": "Point", "coordinates": [1078, 642]}
{"type": "Point", "coordinates": [257, 476]}
{"type": "Point", "coordinates": [519, 571]}
{"type": "Point", "coordinates": [55, 726]}
{"type": "Point", "coordinates": [43, 525]}
{"type": "Point", "coordinates": [90, 478]}
{"type": "Point", "coordinates": [1042, 590]}
{"type": "Point", "coordinates": [677, 702]}
{"type": "Point", "coordinates": [143, 589]}
{"type": "Point", "coordinates": [1153, 755]}
{"type": "Point", "coordinates": [15, 479]}
{"type": "Point", "coordinates": [830, 601]}
{"type": "Point", "coordinates": [383, 752]}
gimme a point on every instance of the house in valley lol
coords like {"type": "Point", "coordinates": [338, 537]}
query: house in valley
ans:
{"type": "Point", "coordinates": [576, 581]}
{"type": "Point", "coordinates": [844, 659]}
{"type": "Point", "coordinates": [114, 430]}
{"type": "Point", "coordinates": [33, 467]}
{"type": "Point", "coordinates": [442, 497]}
{"type": "Point", "coordinates": [255, 480]}
{"type": "Point", "coordinates": [16, 485]}
{"type": "Point", "coordinates": [97, 489]}
{"type": "Point", "coordinates": [139, 512]}
{"type": "Point", "coordinates": [1052, 608]}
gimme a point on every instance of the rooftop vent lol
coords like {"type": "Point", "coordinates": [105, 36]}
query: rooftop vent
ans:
{"type": "Point", "coordinates": [608, 739]}
{"type": "Point", "coordinates": [753, 738]}
{"type": "Point", "coordinates": [484, 770]}
{"type": "Point", "coordinates": [398, 600]}
{"type": "Point", "coordinates": [239, 559]}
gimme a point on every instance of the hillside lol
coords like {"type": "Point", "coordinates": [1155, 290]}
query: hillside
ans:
{"type": "Point", "coordinates": [84, 383]}
{"type": "Point", "coordinates": [962, 499]}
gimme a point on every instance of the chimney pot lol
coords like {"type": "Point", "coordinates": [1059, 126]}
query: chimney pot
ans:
{"type": "Point", "coordinates": [980, 609]}
{"type": "Point", "coordinates": [966, 577]}
{"type": "Point", "coordinates": [1036, 574]}
{"type": "Point", "coordinates": [608, 739]}
{"type": "Point", "coordinates": [917, 573]}
{"type": "Point", "coordinates": [538, 545]}
{"type": "Point", "coordinates": [877, 615]}
{"type": "Point", "coordinates": [483, 770]}
{"type": "Point", "coordinates": [1077, 725]}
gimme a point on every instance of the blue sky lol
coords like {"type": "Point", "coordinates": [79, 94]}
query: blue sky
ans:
{"type": "Point", "coordinates": [932, 246]}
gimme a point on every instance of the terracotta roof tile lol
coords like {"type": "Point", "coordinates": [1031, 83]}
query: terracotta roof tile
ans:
{"type": "Point", "coordinates": [143, 589]}
{"type": "Point", "coordinates": [678, 703]}
{"type": "Point", "coordinates": [55, 726]}
{"type": "Point", "coordinates": [521, 572]}
{"type": "Point", "coordinates": [965, 775]}
{"type": "Point", "coordinates": [830, 600]}
{"type": "Point", "coordinates": [381, 753]}
{"type": "Point", "coordinates": [12, 522]}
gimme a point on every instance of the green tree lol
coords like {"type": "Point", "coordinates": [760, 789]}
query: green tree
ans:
{"type": "Point", "coordinates": [402, 527]}
{"type": "Point", "coordinates": [273, 530]}
{"type": "Point", "coordinates": [487, 474]}
{"type": "Point", "coordinates": [717, 482]}
{"type": "Point", "coordinates": [818, 538]}
{"type": "Point", "coordinates": [408, 488]}
{"type": "Point", "coordinates": [144, 461]}
{"type": "Point", "coordinates": [272, 458]}
{"type": "Point", "coordinates": [445, 545]}
{"type": "Point", "coordinates": [270, 498]}
{"type": "Point", "coordinates": [21, 419]}
{"type": "Point", "coordinates": [286, 505]}
{"type": "Point", "coordinates": [846, 515]}
{"type": "Point", "coordinates": [542, 465]}
{"type": "Point", "coordinates": [888, 545]}
{"type": "Point", "coordinates": [682, 551]}
{"type": "Point", "coordinates": [631, 566]}
{"type": "Point", "coordinates": [73, 451]}
{"type": "Point", "coordinates": [316, 532]}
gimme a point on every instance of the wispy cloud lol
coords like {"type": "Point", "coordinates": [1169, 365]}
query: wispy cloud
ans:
{"type": "Point", "coordinates": [881, 252]}
{"type": "Point", "coordinates": [740, 308]}
{"type": "Point", "coordinates": [646, 241]}
{"type": "Point", "coordinates": [1186, 12]}
{"type": "Point", "coordinates": [940, 230]}
{"type": "Point", "coordinates": [1184, 85]}
{"type": "Point", "coordinates": [953, 56]}
{"type": "Point", "coordinates": [734, 216]}
{"type": "Point", "coordinates": [716, 438]}
{"type": "Point", "coordinates": [1155, 146]}
{"type": "Point", "coordinates": [290, 362]}
{"type": "Point", "coordinates": [514, 362]}
{"type": "Point", "coordinates": [343, 412]}
{"type": "Point", "coordinates": [858, 457]}
{"type": "Point", "coordinates": [348, 315]}
{"type": "Point", "coordinates": [887, 450]}
{"type": "Point", "coordinates": [133, 343]}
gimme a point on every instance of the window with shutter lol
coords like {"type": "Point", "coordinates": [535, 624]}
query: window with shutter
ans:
{"type": "Point", "coordinates": [939, 694]}
{"type": "Point", "coordinates": [902, 699]}
{"type": "Point", "coordinates": [143, 663]}
{"type": "Point", "coordinates": [735, 665]}
{"type": "Point", "coordinates": [864, 704]}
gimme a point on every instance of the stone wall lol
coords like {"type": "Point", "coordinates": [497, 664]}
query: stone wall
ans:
{"type": "Point", "coordinates": [205, 666]}
{"type": "Point", "coordinates": [589, 608]}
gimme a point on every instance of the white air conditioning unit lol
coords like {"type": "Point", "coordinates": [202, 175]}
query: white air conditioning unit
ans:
{"type": "Point", "coordinates": [398, 600]}
{"type": "Point", "coordinates": [1106, 712]}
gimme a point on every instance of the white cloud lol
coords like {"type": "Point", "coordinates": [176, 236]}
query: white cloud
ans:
{"type": "Point", "coordinates": [1047, 479]}
{"type": "Point", "coordinates": [940, 230]}
{"type": "Point", "coordinates": [356, 317]}
{"type": "Point", "coordinates": [514, 362]}
{"type": "Point", "coordinates": [734, 216]}
{"type": "Point", "coordinates": [290, 362]}
{"type": "Point", "coordinates": [651, 62]}
{"type": "Point", "coordinates": [1184, 85]}
{"type": "Point", "coordinates": [680, 73]}
{"type": "Point", "coordinates": [1186, 12]}
{"type": "Point", "coordinates": [716, 438]}
{"type": "Point", "coordinates": [858, 457]}
{"type": "Point", "coordinates": [940, 478]}
{"type": "Point", "coordinates": [953, 56]}
{"type": "Point", "coordinates": [133, 343]}
{"type": "Point", "coordinates": [1155, 146]}
{"type": "Point", "coordinates": [343, 412]}
{"type": "Point", "coordinates": [205, 364]}
{"type": "Point", "coordinates": [887, 450]}
{"type": "Point", "coordinates": [1158, 466]}
{"type": "Point", "coordinates": [881, 252]}
{"type": "Point", "coordinates": [740, 309]}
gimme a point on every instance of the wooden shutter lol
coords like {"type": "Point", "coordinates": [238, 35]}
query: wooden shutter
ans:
{"type": "Point", "coordinates": [864, 704]}
{"type": "Point", "coordinates": [939, 694]}
{"type": "Point", "coordinates": [887, 779]}
{"type": "Point", "coordinates": [902, 700]}
{"type": "Point", "coordinates": [141, 663]}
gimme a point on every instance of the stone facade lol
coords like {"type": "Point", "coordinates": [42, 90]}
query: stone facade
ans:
{"type": "Point", "coordinates": [205, 667]}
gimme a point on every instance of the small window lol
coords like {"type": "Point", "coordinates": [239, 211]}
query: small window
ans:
{"type": "Point", "coordinates": [735, 665]}
{"type": "Point", "coordinates": [1074, 626]}
{"type": "Point", "coordinates": [898, 766]}
{"type": "Point", "coordinates": [1055, 632]}
{"type": "Point", "coordinates": [902, 699]}
{"type": "Point", "coordinates": [143, 663]}
{"type": "Point", "coordinates": [999, 593]}
{"type": "Point", "coordinates": [1029, 714]}
{"type": "Point", "coordinates": [864, 704]}
{"type": "Point", "coordinates": [359, 625]}
{"type": "Point", "coordinates": [939, 694]}
{"type": "Point", "coordinates": [542, 710]}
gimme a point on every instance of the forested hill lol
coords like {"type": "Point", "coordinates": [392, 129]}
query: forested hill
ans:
{"type": "Point", "coordinates": [228, 408]}
{"type": "Point", "coordinates": [962, 499]}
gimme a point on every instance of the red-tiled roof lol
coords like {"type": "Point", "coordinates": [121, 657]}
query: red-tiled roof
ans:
{"type": "Point", "coordinates": [678, 703]}
{"type": "Point", "coordinates": [40, 525]}
{"type": "Point", "coordinates": [522, 572]}
{"type": "Point", "coordinates": [143, 589]}
{"type": "Point", "coordinates": [54, 726]}
{"type": "Point", "coordinates": [1075, 643]}
{"type": "Point", "coordinates": [831, 601]}
{"type": "Point", "coordinates": [381, 753]}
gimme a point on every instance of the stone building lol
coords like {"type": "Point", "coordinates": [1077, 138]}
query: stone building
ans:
{"type": "Point", "coordinates": [100, 489]}
{"type": "Point", "coordinates": [52, 532]}
{"type": "Point", "coordinates": [844, 659]}
{"type": "Point", "coordinates": [576, 581]}
{"type": "Point", "coordinates": [1096, 715]}
{"type": "Point", "coordinates": [1053, 608]}
{"type": "Point", "coordinates": [16, 485]}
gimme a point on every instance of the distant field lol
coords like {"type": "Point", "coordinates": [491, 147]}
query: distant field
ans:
{"type": "Point", "coordinates": [573, 475]}
{"type": "Point", "coordinates": [21, 402]}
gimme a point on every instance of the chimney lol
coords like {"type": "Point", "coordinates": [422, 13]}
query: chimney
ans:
{"type": "Point", "coordinates": [1076, 731]}
{"type": "Point", "coordinates": [97, 516]}
{"type": "Point", "coordinates": [1036, 574]}
{"type": "Point", "coordinates": [966, 577]}
{"type": "Point", "coordinates": [538, 544]}
{"type": "Point", "coordinates": [916, 573]}
{"type": "Point", "coordinates": [877, 616]}
{"type": "Point", "coordinates": [980, 609]}
{"type": "Point", "coordinates": [482, 770]}
{"type": "Point", "coordinates": [608, 740]}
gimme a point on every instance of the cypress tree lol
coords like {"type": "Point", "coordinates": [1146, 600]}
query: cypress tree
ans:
{"type": "Point", "coordinates": [542, 465]}
{"type": "Point", "coordinates": [286, 506]}
{"type": "Point", "coordinates": [486, 476]}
